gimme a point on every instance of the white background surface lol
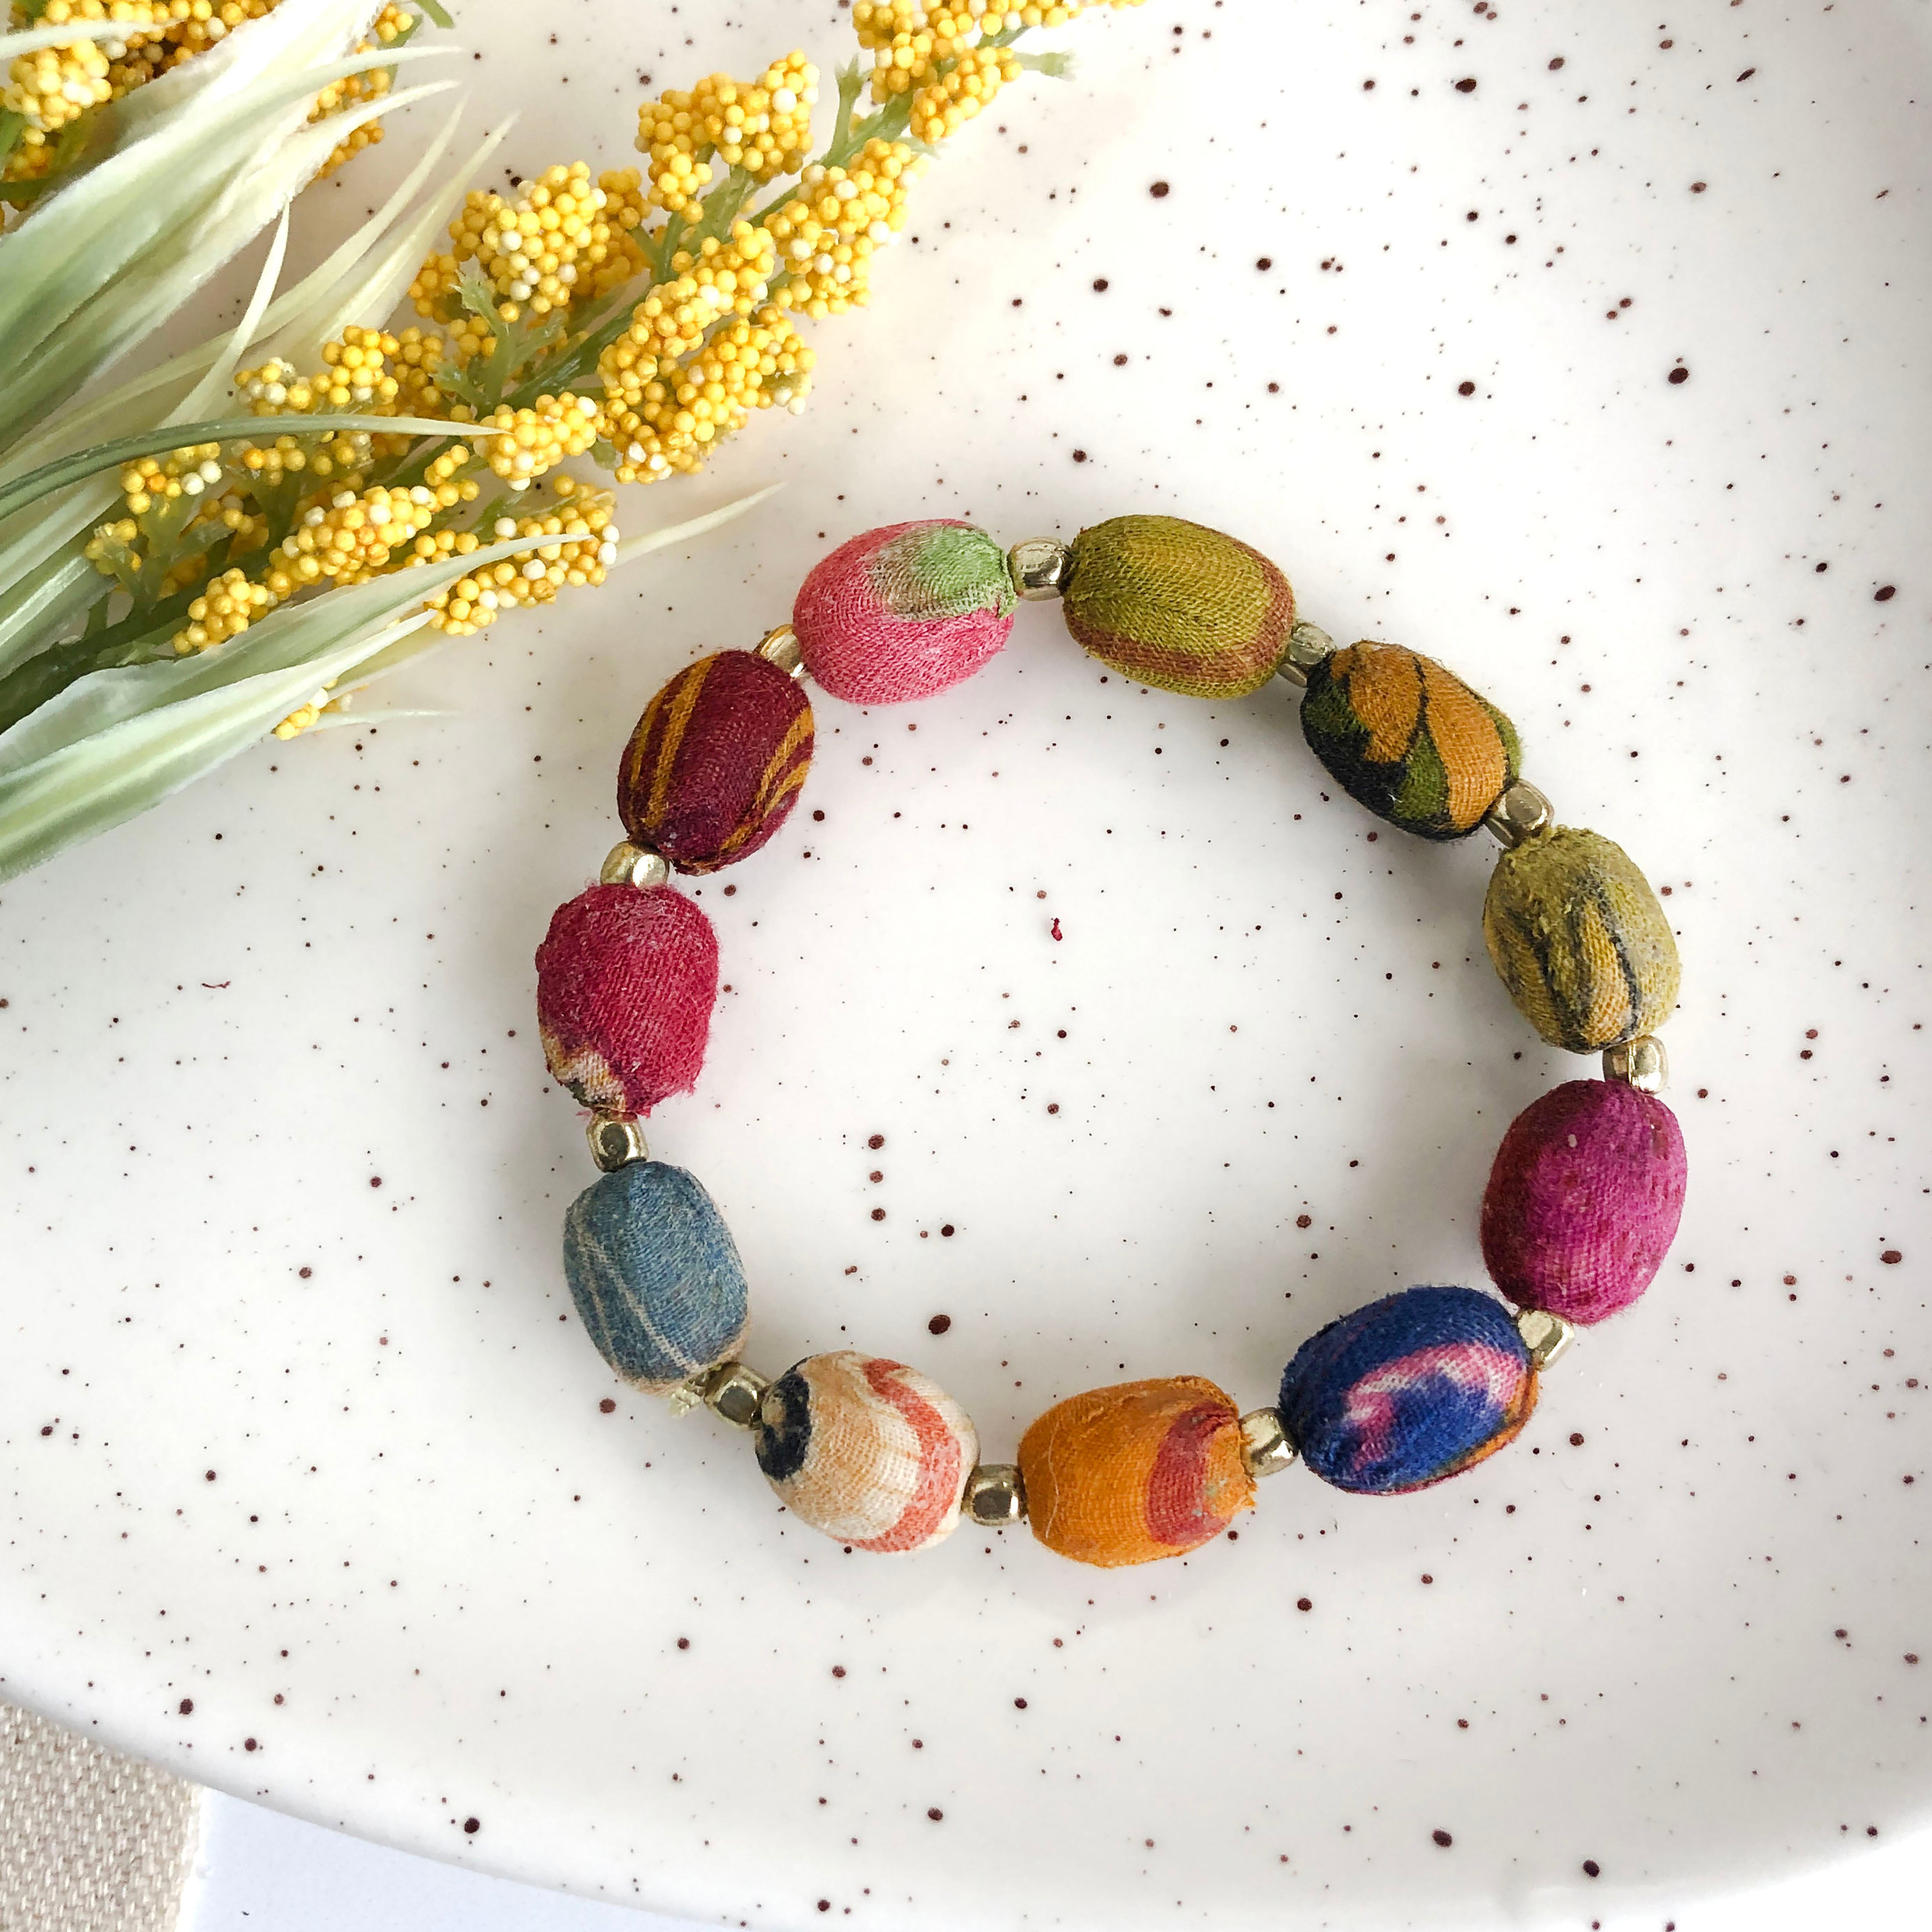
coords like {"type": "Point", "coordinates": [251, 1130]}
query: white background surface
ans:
{"type": "Point", "coordinates": [257, 1869]}
{"type": "Point", "coordinates": [432, 1578]}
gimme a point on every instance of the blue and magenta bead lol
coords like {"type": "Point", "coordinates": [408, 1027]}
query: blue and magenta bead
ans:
{"type": "Point", "coordinates": [1408, 1391]}
{"type": "Point", "coordinates": [655, 1274]}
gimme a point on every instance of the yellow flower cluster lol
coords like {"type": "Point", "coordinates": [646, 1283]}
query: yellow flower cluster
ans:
{"type": "Point", "coordinates": [764, 126]}
{"type": "Point", "coordinates": [576, 543]}
{"type": "Point", "coordinates": [942, 106]}
{"type": "Point", "coordinates": [907, 42]}
{"type": "Point", "coordinates": [150, 480]}
{"type": "Point", "coordinates": [749, 364]}
{"type": "Point", "coordinates": [51, 87]}
{"type": "Point", "coordinates": [229, 605]}
{"type": "Point", "coordinates": [540, 438]}
{"type": "Point", "coordinates": [562, 240]}
{"type": "Point", "coordinates": [724, 278]}
{"type": "Point", "coordinates": [825, 236]}
{"type": "Point", "coordinates": [356, 535]}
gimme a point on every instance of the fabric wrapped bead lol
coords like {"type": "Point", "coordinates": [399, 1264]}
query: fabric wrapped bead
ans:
{"type": "Point", "coordinates": [1583, 1199]}
{"type": "Point", "coordinates": [1138, 1471]}
{"type": "Point", "coordinates": [1407, 1391]}
{"type": "Point", "coordinates": [717, 761]}
{"type": "Point", "coordinates": [1408, 739]}
{"type": "Point", "coordinates": [656, 1280]}
{"type": "Point", "coordinates": [1580, 940]}
{"type": "Point", "coordinates": [903, 612]}
{"type": "Point", "coordinates": [626, 982]}
{"type": "Point", "coordinates": [1178, 605]}
{"type": "Point", "coordinates": [869, 1451]}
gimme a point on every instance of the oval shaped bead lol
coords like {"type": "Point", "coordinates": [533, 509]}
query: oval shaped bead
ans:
{"type": "Point", "coordinates": [1580, 940]}
{"type": "Point", "coordinates": [1408, 1391]}
{"type": "Point", "coordinates": [1583, 1199]}
{"type": "Point", "coordinates": [717, 761]}
{"type": "Point", "coordinates": [1136, 1472]}
{"type": "Point", "coordinates": [868, 1450]}
{"type": "Point", "coordinates": [902, 612]}
{"type": "Point", "coordinates": [1409, 739]}
{"type": "Point", "coordinates": [626, 983]}
{"type": "Point", "coordinates": [1178, 605]}
{"type": "Point", "coordinates": [655, 1275]}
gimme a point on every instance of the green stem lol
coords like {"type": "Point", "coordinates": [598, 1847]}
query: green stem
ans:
{"type": "Point", "coordinates": [65, 469]}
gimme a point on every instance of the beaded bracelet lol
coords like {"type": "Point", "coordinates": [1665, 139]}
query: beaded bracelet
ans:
{"type": "Point", "coordinates": [1582, 1203]}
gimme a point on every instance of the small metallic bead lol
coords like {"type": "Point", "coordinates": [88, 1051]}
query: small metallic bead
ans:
{"type": "Point", "coordinates": [782, 647]}
{"type": "Point", "coordinates": [1308, 644]}
{"type": "Point", "coordinates": [1544, 1335]}
{"type": "Point", "coordinates": [1521, 812]}
{"type": "Point", "coordinates": [735, 1392]}
{"type": "Point", "coordinates": [616, 1140]}
{"type": "Point", "coordinates": [1041, 567]}
{"type": "Point", "coordinates": [1641, 1063]}
{"type": "Point", "coordinates": [629, 865]}
{"type": "Point", "coordinates": [995, 1495]}
{"type": "Point", "coordinates": [1265, 1448]}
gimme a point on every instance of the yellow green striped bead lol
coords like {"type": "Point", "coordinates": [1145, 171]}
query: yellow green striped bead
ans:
{"type": "Point", "coordinates": [1409, 739]}
{"type": "Point", "coordinates": [1178, 605]}
{"type": "Point", "coordinates": [1580, 940]}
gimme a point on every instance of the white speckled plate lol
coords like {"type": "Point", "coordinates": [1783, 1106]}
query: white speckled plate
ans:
{"type": "Point", "coordinates": [310, 1487]}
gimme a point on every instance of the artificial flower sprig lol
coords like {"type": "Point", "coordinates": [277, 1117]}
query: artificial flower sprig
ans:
{"type": "Point", "coordinates": [634, 319]}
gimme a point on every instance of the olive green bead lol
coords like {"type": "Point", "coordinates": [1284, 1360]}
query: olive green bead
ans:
{"type": "Point", "coordinates": [1178, 605]}
{"type": "Point", "coordinates": [1580, 940]}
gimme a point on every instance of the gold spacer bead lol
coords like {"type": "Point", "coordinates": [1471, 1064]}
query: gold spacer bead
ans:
{"type": "Point", "coordinates": [1265, 1448]}
{"type": "Point", "coordinates": [734, 1392]}
{"type": "Point", "coordinates": [995, 1495]}
{"type": "Point", "coordinates": [782, 648]}
{"type": "Point", "coordinates": [1641, 1063]}
{"type": "Point", "coordinates": [1519, 813]}
{"type": "Point", "coordinates": [616, 1140]}
{"type": "Point", "coordinates": [1308, 644]}
{"type": "Point", "coordinates": [627, 865]}
{"type": "Point", "coordinates": [1544, 1335]}
{"type": "Point", "coordinates": [1041, 568]}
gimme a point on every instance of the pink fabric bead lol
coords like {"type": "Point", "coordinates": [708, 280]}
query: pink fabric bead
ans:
{"type": "Point", "coordinates": [904, 611]}
{"type": "Point", "coordinates": [1583, 1199]}
{"type": "Point", "coordinates": [626, 983]}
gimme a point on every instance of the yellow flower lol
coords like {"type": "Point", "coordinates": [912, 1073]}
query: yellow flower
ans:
{"type": "Point", "coordinates": [224, 610]}
{"type": "Point", "coordinates": [575, 542]}
{"type": "Point", "coordinates": [941, 107]}
{"type": "Point", "coordinates": [764, 126]}
{"type": "Point", "coordinates": [539, 439]}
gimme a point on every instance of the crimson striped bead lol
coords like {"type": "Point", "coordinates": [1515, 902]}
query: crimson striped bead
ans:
{"type": "Point", "coordinates": [716, 762]}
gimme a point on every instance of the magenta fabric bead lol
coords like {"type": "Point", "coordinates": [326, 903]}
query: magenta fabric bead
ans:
{"type": "Point", "coordinates": [1583, 1199]}
{"type": "Point", "coordinates": [626, 980]}
{"type": "Point", "coordinates": [904, 611]}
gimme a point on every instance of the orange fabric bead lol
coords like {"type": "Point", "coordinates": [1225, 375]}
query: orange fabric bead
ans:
{"type": "Point", "coordinates": [1136, 1472]}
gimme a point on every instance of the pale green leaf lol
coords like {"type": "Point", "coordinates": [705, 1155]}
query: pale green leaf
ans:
{"type": "Point", "coordinates": [82, 788]}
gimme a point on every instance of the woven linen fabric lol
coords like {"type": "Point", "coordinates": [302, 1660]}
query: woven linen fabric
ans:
{"type": "Point", "coordinates": [869, 1451]}
{"type": "Point", "coordinates": [90, 1841]}
{"type": "Point", "coordinates": [626, 980]}
{"type": "Point", "coordinates": [717, 761]}
{"type": "Point", "coordinates": [1408, 1390]}
{"type": "Point", "coordinates": [904, 611]}
{"type": "Point", "coordinates": [1583, 1199]}
{"type": "Point", "coordinates": [1170, 603]}
{"type": "Point", "coordinates": [1135, 1472]}
{"type": "Point", "coordinates": [1580, 940]}
{"type": "Point", "coordinates": [655, 1274]}
{"type": "Point", "coordinates": [1409, 740]}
